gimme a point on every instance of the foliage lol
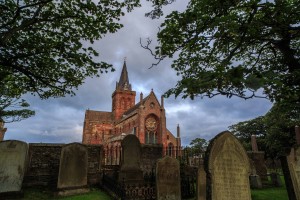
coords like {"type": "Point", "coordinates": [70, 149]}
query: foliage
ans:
{"type": "Point", "coordinates": [198, 146]}
{"type": "Point", "coordinates": [275, 131]}
{"type": "Point", "coordinates": [45, 45]}
{"type": "Point", "coordinates": [244, 48]}
{"type": "Point", "coordinates": [12, 107]}
{"type": "Point", "coordinates": [244, 130]}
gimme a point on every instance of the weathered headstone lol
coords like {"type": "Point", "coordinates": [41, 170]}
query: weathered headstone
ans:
{"type": "Point", "coordinates": [228, 169]}
{"type": "Point", "coordinates": [130, 171]}
{"type": "Point", "coordinates": [258, 161]}
{"type": "Point", "coordinates": [294, 169]}
{"type": "Point", "coordinates": [168, 179]}
{"type": "Point", "coordinates": [2, 130]}
{"type": "Point", "coordinates": [254, 143]}
{"type": "Point", "coordinates": [13, 156]}
{"type": "Point", "coordinates": [72, 177]}
{"type": "Point", "coordinates": [201, 183]}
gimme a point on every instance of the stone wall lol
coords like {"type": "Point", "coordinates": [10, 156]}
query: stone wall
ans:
{"type": "Point", "coordinates": [43, 164]}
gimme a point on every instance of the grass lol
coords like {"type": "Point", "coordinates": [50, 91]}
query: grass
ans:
{"type": "Point", "coordinates": [270, 194]}
{"type": "Point", "coordinates": [274, 193]}
{"type": "Point", "coordinates": [40, 194]}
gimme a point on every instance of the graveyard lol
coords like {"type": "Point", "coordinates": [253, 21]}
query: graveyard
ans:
{"type": "Point", "coordinates": [129, 154]}
{"type": "Point", "coordinates": [78, 171]}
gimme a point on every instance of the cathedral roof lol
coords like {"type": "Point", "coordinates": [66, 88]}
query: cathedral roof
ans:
{"type": "Point", "coordinates": [123, 83]}
{"type": "Point", "coordinates": [136, 106]}
{"type": "Point", "coordinates": [100, 116]}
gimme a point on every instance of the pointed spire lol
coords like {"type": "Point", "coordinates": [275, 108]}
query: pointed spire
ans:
{"type": "Point", "coordinates": [123, 83]}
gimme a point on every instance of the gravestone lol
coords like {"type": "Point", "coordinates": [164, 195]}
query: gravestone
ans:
{"type": "Point", "coordinates": [13, 157]}
{"type": "Point", "coordinates": [201, 182]}
{"type": "Point", "coordinates": [130, 171]}
{"type": "Point", "coordinates": [72, 176]}
{"type": "Point", "coordinates": [168, 179]}
{"type": "Point", "coordinates": [258, 161]}
{"type": "Point", "coordinates": [227, 168]}
{"type": "Point", "coordinates": [294, 168]}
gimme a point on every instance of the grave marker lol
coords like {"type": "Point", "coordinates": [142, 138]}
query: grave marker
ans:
{"type": "Point", "coordinates": [168, 179]}
{"type": "Point", "coordinates": [13, 156]}
{"type": "Point", "coordinates": [130, 171]}
{"type": "Point", "coordinates": [228, 169]}
{"type": "Point", "coordinates": [72, 177]}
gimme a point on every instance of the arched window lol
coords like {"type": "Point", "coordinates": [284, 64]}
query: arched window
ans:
{"type": "Point", "coordinates": [170, 149]}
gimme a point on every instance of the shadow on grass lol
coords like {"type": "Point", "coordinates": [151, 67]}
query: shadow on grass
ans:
{"type": "Point", "coordinates": [44, 194]}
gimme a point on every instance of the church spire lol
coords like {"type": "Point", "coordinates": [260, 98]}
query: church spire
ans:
{"type": "Point", "coordinates": [123, 83]}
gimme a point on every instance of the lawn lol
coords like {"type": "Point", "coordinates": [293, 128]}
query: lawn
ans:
{"type": "Point", "coordinates": [38, 193]}
{"type": "Point", "coordinates": [270, 194]}
{"type": "Point", "coordinates": [97, 194]}
{"type": "Point", "coordinates": [274, 193]}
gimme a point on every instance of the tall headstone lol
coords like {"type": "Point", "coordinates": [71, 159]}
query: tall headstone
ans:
{"type": "Point", "coordinates": [13, 157]}
{"type": "Point", "coordinates": [201, 182]}
{"type": "Point", "coordinates": [294, 165]}
{"type": "Point", "coordinates": [2, 130]}
{"type": "Point", "coordinates": [73, 167]}
{"type": "Point", "coordinates": [168, 179]}
{"type": "Point", "coordinates": [254, 143]}
{"type": "Point", "coordinates": [130, 171]}
{"type": "Point", "coordinates": [228, 168]}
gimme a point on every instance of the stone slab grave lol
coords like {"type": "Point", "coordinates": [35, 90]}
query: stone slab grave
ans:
{"type": "Point", "coordinates": [294, 168]}
{"type": "Point", "coordinates": [201, 182]}
{"type": "Point", "coordinates": [73, 167]}
{"type": "Point", "coordinates": [294, 164]}
{"type": "Point", "coordinates": [13, 157]}
{"type": "Point", "coordinates": [130, 171]}
{"type": "Point", "coordinates": [228, 168]}
{"type": "Point", "coordinates": [168, 179]}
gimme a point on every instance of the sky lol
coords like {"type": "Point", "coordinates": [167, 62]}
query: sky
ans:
{"type": "Point", "coordinates": [60, 120]}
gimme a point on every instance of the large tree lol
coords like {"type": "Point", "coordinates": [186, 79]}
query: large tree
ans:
{"type": "Point", "coordinates": [275, 131]}
{"type": "Point", "coordinates": [244, 130]}
{"type": "Point", "coordinates": [45, 45]}
{"type": "Point", "coordinates": [234, 48]}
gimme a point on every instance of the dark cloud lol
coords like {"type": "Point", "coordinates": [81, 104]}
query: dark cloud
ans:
{"type": "Point", "coordinates": [60, 120]}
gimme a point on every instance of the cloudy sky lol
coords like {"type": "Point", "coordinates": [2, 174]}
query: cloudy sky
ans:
{"type": "Point", "coordinates": [61, 120]}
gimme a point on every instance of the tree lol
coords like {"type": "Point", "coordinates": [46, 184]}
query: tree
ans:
{"type": "Point", "coordinates": [244, 130]}
{"type": "Point", "coordinates": [234, 48]}
{"type": "Point", "coordinates": [45, 45]}
{"type": "Point", "coordinates": [198, 146]}
{"type": "Point", "coordinates": [275, 131]}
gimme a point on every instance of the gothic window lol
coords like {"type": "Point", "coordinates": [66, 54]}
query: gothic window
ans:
{"type": "Point", "coordinates": [151, 130]}
{"type": "Point", "coordinates": [170, 149]}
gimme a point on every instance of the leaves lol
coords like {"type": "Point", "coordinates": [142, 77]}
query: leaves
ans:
{"type": "Point", "coordinates": [234, 48]}
{"type": "Point", "coordinates": [45, 46]}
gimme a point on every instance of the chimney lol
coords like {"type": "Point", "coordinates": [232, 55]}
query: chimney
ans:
{"type": "Point", "coordinates": [178, 131]}
{"type": "Point", "coordinates": [162, 101]}
{"type": "Point", "coordinates": [141, 97]}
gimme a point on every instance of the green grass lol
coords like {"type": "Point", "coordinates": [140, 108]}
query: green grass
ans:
{"type": "Point", "coordinates": [278, 193]}
{"type": "Point", "coordinates": [270, 194]}
{"type": "Point", "coordinates": [274, 193]}
{"type": "Point", "coordinates": [38, 193]}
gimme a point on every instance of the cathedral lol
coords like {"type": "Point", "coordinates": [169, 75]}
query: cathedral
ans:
{"type": "Point", "coordinates": [146, 119]}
